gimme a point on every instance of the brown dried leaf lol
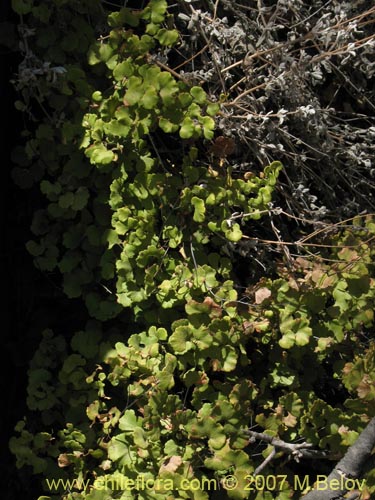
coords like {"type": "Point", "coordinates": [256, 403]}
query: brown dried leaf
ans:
{"type": "Point", "coordinates": [262, 294]}
{"type": "Point", "coordinates": [63, 460]}
{"type": "Point", "coordinates": [290, 420]}
{"type": "Point", "coordinates": [302, 263]}
{"type": "Point", "coordinates": [343, 429]}
{"type": "Point", "coordinates": [347, 368]}
{"type": "Point", "coordinates": [172, 464]}
{"type": "Point", "coordinates": [364, 387]}
{"type": "Point", "coordinates": [216, 310]}
{"type": "Point", "coordinates": [279, 410]}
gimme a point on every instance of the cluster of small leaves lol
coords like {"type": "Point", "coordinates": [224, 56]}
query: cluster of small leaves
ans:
{"type": "Point", "coordinates": [166, 401]}
{"type": "Point", "coordinates": [126, 181]}
{"type": "Point", "coordinates": [161, 211]}
{"type": "Point", "coordinates": [297, 82]}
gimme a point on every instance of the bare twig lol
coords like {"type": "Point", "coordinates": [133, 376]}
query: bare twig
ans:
{"type": "Point", "coordinates": [297, 451]}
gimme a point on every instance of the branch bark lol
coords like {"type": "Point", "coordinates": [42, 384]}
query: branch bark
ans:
{"type": "Point", "coordinates": [295, 450]}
